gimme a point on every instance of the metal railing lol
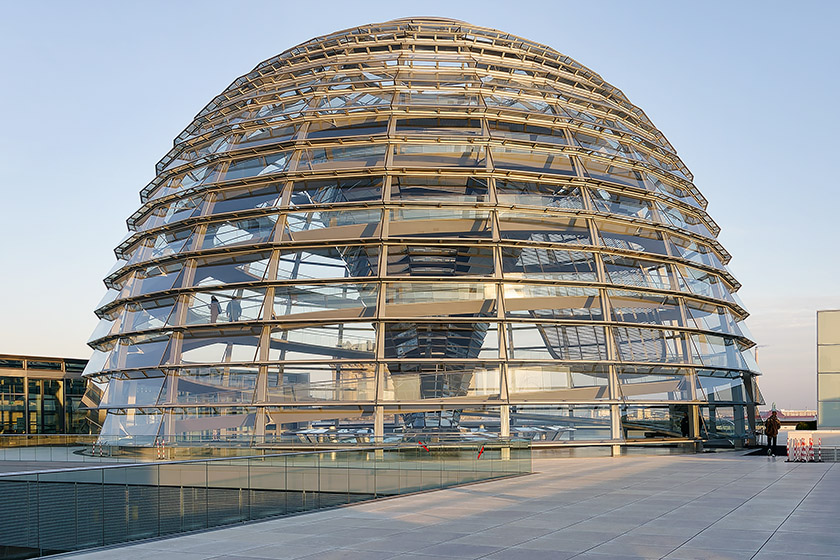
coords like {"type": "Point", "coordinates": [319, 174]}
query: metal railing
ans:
{"type": "Point", "coordinates": [62, 510]}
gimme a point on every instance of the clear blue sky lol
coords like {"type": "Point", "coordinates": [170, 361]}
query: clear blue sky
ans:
{"type": "Point", "coordinates": [94, 92]}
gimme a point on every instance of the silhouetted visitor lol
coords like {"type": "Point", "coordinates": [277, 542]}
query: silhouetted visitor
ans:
{"type": "Point", "coordinates": [234, 309]}
{"type": "Point", "coordinates": [771, 430]}
{"type": "Point", "coordinates": [684, 426]}
{"type": "Point", "coordinates": [215, 309]}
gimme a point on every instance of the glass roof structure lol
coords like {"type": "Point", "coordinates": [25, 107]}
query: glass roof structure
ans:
{"type": "Point", "coordinates": [422, 227]}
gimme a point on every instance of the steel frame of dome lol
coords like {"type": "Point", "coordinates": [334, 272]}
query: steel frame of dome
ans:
{"type": "Point", "coordinates": [421, 226]}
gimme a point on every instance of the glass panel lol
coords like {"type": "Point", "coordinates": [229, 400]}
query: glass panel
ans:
{"type": "Point", "coordinates": [149, 314]}
{"type": "Point", "coordinates": [518, 103]}
{"type": "Point", "coordinates": [551, 341]}
{"type": "Point", "coordinates": [230, 385]}
{"type": "Point", "coordinates": [225, 306]}
{"type": "Point", "coordinates": [160, 245]}
{"type": "Point", "coordinates": [439, 222]}
{"type": "Point", "coordinates": [543, 228]}
{"type": "Point", "coordinates": [328, 262]}
{"type": "Point", "coordinates": [155, 278]}
{"type": "Point", "coordinates": [438, 127]}
{"type": "Point", "coordinates": [104, 328]}
{"type": "Point", "coordinates": [228, 424]}
{"type": "Point", "coordinates": [544, 301]}
{"type": "Point", "coordinates": [547, 382]}
{"type": "Point", "coordinates": [351, 341]}
{"type": "Point", "coordinates": [336, 191]}
{"type": "Point", "coordinates": [652, 422]}
{"type": "Point", "coordinates": [693, 251]}
{"type": "Point", "coordinates": [648, 345]}
{"type": "Point", "coordinates": [132, 392]}
{"type": "Point", "coordinates": [531, 262]}
{"type": "Point", "coordinates": [332, 224]}
{"type": "Point", "coordinates": [440, 155]}
{"type": "Point", "coordinates": [12, 403]}
{"type": "Point", "coordinates": [136, 428]}
{"type": "Point", "coordinates": [139, 351]}
{"type": "Point", "coordinates": [231, 269]}
{"type": "Point", "coordinates": [175, 211]}
{"type": "Point", "coordinates": [439, 299]}
{"type": "Point", "coordinates": [631, 237]}
{"type": "Point", "coordinates": [435, 260]}
{"type": "Point", "coordinates": [702, 283]}
{"type": "Point", "coordinates": [219, 346]}
{"type": "Point", "coordinates": [655, 184]}
{"type": "Point", "coordinates": [613, 173]}
{"type": "Point", "coordinates": [561, 422]}
{"type": "Point", "coordinates": [640, 383]}
{"type": "Point", "coordinates": [526, 132]}
{"type": "Point", "coordinates": [247, 198]}
{"type": "Point", "coordinates": [453, 189]}
{"type": "Point", "coordinates": [358, 101]}
{"type": "Point", "coordinates": [641, 307]}
{"type": "Point", "coordinates": [258, 166]}
{"type": "Point", "coordinates": [100, 357]}
{"type": "Point", "coordinates": [406, 381]}
{"type": "Point", "coordinates": [325, 300]}
{"type": "Point", "coordinates": [192, 178]}
{"type": "Point", "coordinates": [617, 203]}
{"type": "Point", "coordinates": [637, 272]}
{"type": "Point", "coordinates": [601, 145]}
{"type": "Point", "coordinates": [683, 219]}
{"type": "Point", "coordinates": [441, 340]}
{"type": "Point", "coordinates": [517, 159]}
{"type": "Point", "coordinates": [236, 232]}
{"type": "Point", "coordinates": [711, 317]}
{"type": "Point", "coordinates": [321, 382]}
{"type": "Point", "coordinates": [531, 193]}
{"type": "Point", "coordinates": [342, 157]}
{"type": "Point", "coordinates": [716, 351]}
{"type": "Point", "coordinates": [267, 135]}
{"type": "Point", "coordinates": [721, 389]}
{"type": "Point", "coordinates": [722, 422]}
{"type": "Point", "coordinates": [343, 127]}
{"type": "Point", "coordinates": [440, 97]}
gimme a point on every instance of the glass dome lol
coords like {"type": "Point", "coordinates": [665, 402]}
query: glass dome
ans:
{"type": "Point", "coordinates": [421, 226]}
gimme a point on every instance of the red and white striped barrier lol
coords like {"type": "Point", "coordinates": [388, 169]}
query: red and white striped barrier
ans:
{"type": "Point", "coordinates": [802, 451]}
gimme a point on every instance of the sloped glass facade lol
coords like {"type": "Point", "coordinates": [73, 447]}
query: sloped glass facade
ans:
{"type": "Point", "coordinates": [421, 226]}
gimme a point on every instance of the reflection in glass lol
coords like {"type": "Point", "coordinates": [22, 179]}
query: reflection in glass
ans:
{"type": "Point", "coordinates": [321, 382]}
{"type": "Point", "coordinates": [454, 189]}
{"type": "Point", "coordinates": [223, 345]}
{"type": "Point", "coordinates": [551, 341]}
{"type": "Point", "coordinates": [532, 262]}
{"type": "Point", "coordinates": [328, 262]}
{"type": "Point", "coordinates": [545, 301]}
{"type": "Point", "coordinates": [522, 193]}
{"type": "Point", "coordinates": [348, 300]}
{"type": "Point", "coordinates": [237, 232]}
{"type": "Point", "coordinates": [407, 381]}
{"type": "Point", "coordinates": [340, 341]}
{"type": "Point", "coordinates": [441, 340]}
{"type": "Point", "coordinates": [437, 260]}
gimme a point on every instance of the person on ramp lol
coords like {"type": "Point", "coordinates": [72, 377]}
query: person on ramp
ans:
{"type": "Point", "coordinates": [771, 430]}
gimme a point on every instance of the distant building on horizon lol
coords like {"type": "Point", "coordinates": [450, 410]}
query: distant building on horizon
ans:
{"type": "Point", "coordinates": [42, 395]}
